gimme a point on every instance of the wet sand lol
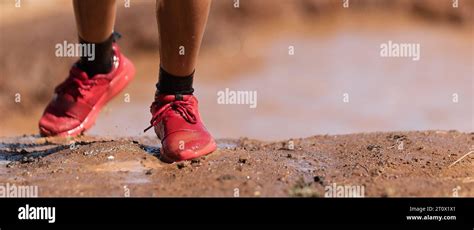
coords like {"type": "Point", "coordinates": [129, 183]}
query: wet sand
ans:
{"type": "Point", "coordinates": [386, 164]}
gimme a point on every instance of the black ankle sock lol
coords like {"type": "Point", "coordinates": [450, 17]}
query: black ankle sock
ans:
{"type": "Point", "coordinates": [102, 62]}
{"type": "Point", "coordinates": [171, 84]}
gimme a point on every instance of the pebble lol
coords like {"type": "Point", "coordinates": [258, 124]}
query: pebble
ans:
{"type": "Point", "coordinates": [180, 165]}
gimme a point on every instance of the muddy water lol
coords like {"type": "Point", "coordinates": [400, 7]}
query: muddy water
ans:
{"type": "Point", "coordinates": [336, 82]}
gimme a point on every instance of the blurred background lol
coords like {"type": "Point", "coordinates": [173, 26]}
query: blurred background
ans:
{"type": "Point", "coordinates": [336, 54]}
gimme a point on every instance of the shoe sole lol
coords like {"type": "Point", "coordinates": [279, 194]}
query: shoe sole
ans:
{"type": "Point", "coordinates": [115, 87]}
{"type": "Point", "coordinates": [208, 149]}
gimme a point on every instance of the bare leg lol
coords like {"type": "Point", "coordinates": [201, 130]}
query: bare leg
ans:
{"type": "Point", "coordinates": [181, 25]}
{"type": "Point", "coordinates": [76, 104]}
{"type": "Point", "coordinates": [95, 24]}
{"type": "Point", "coordinates": [94, 19]}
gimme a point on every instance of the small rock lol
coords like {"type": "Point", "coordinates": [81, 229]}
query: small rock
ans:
{"type": "Point", "coordinates": [180, 165]}
{"type": "Point", "coordinates": [27, 160]}
{"type": "Point", "coordinates": [89, 153]}
{"type": "Point", "coordinates": [195, 161]}
{"type": "Point", "coordinates": [373, 147]}
{"type": "Point", "coordinates": [318, 179]}
{"type": "Point", "coordinates": [110, 157]}
{"type": "Point", "coordinates": [376, 172]}
{"type": "Point", "coordinates": [243, 160]}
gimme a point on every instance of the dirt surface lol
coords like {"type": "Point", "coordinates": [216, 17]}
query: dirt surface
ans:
{"type": "Point", "coordinates": [386, 164]}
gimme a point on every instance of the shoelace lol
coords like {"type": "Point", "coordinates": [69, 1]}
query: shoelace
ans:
{"type": "Point", "coordinates": [76, 84]}
{"type": "Point", "coordinates": [184, 108]}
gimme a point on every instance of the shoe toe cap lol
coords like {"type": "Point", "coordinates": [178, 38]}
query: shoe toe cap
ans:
{"type": "Point", "coordinates": [187, 145]}
{"type": "Point", "coordinates": [51, 124]}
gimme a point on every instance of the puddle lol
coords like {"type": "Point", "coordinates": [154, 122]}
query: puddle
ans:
{"type": "Point", "coordinates": [153, 150]}
{"type": "Point", "coordinates": [24, 148]}
{"type": "Point", "coordinates": [136, 178]}
{"type": "Point", "coordinates": [227, 144]}
{"type": "Point", "coordinates": [125, 166]}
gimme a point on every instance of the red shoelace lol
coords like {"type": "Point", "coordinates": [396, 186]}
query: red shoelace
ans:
{"type": "Point", "coordinates": [184, 108]}
{"type": "Point", "coordinates": [76, 84]}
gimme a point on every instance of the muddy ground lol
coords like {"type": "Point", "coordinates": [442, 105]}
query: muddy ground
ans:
{"type": "Point", "coordinates": [386, 164]}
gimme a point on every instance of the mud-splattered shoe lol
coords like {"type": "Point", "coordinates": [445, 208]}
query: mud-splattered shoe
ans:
{"type": "Point", "coordinates": [178, 125]}
{"type": "Point", "coordinates": [79, 99]}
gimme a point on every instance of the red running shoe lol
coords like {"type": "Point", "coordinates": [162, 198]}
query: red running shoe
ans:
{"type": "Point", "coordinates": [79, 99]}
{"type": "Point", "coordinates": [178, 125]}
